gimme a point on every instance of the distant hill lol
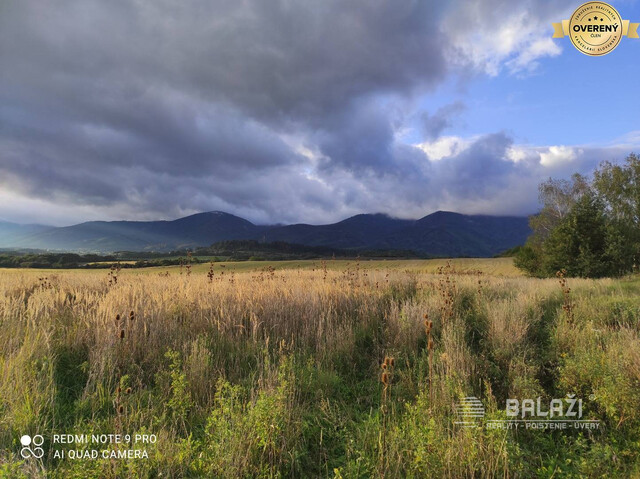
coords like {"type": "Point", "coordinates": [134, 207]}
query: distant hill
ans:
{"type": "Point", "coordinates": [106, 236]}
{"type": "Point", "coordinates": [360, 231]}
{"type": "Point", "coordinates": [438, 234]}
{"type": "Point", "coordinates": [452, 234]}
{"type": "Point", "coordinates": [13, 233]}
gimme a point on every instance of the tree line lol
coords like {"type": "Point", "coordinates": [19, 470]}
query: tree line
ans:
{"type": "Point", "coordinates": [232, 250]}
{"type": "Point", "coordinates": [88, 261]}
{"type": "Point", "coordinates": [589, 227]}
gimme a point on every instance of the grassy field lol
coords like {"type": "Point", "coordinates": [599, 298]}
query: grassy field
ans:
{"type": "Point", "coordinates": [316, 369]}
{"type": "Point", "coordinates": [488, 266]}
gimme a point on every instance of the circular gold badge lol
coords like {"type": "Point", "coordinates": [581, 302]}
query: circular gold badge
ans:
{"type": "Point", "coordinates": [595, 28]}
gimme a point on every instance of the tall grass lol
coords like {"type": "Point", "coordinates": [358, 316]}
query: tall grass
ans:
{"type": "Point", "coordinates": [318, 372]}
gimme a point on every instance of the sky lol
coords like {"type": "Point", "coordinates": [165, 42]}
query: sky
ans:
{"type": "Point", "coordinates": [286, 111]}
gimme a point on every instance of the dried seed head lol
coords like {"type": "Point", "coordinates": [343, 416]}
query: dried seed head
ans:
{"type": "Point", "coordinates": [128, 390]}
{"type": "Point", "coordinates": [385, 378]}
{"type": "Point", "coordinates": [428, 324]}
{"type": "Point", "coordinates": [121, 409]}
{"type": "Point", "coordinates": [132, 315]}
{"type": "Point", "coordinates": [391, 361]}
{"type": "Point", "coordinates": [384, 366]}
{"type": "Point", "coordinates": [122, 334]}
{"type": "Point", "coordinates": [117, 317]}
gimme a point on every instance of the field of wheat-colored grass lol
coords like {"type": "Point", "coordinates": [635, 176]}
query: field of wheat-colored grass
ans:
{"type": "Point", "coordinates": [489, 266]}
{"type": "Point", "coordinates": [317, 369]}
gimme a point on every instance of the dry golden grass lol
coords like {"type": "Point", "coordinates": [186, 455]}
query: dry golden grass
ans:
{"type": "Point", "coordinates": [493, 332]}
{"type": "Point", "coordinates": [489, 266]}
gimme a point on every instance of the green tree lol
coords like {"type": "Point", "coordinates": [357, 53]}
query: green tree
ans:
{"type": "Point", "coordinates": [579, 244]}
{"type": "Point", "coordinates": [529, 259]}
{"type": "Point", "coordinates": [591, 229]}
{"type": "Point", "coordinates": [619, 188]}
{"type": "Point", "coordinates": [557, 198]}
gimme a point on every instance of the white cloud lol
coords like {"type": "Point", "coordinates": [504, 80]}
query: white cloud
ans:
{"type": "Point", "coordinates": [443, 147]}
{"type": "Point", "coordinates": [517, 154]}
{"type": "Point", "coordinates": [558, 155]}
{"type": "Point", "coordinates": [491, 35]}
{"type": "Point", "coordinates": [527, 57]}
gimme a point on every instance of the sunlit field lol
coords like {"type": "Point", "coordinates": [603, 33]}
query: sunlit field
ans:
{"type": "Point", "coordinates": [330, 368]}
{"type": "Point", "coordinates": [489, 266]}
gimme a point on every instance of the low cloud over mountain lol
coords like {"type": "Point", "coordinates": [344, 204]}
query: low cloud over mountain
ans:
{"type": "Point", "coordinates": [438, 234]}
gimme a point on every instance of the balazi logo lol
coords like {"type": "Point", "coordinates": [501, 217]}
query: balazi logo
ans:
{"type": "Point", "coordinates": [469, 410]}
{"type": "Point", "coordinates": [535, 414]}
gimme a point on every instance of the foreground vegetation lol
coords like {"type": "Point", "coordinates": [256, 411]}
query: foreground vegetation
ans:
{"type": "Point", "coordinates": [277, 372]}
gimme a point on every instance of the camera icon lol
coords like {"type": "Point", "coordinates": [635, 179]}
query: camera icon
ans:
{"type": "Point", "coordinates": [26, 451]}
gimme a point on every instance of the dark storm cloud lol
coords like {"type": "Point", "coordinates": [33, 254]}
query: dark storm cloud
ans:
{"type": "Point", "coordinates": [483, 165]}
{"type": "Point", "coordinates": [103, 102]}
{"type": "Point", "coordinates": [433, 125]}
{"type": "Point", "coordinates": [362, 138]}
{"type": "Point", "coordinates": [283, 59]}
{"type": "Point", "coordinates": [283, 110]}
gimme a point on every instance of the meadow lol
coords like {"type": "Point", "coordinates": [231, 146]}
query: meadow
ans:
{"type": "Point", "coordinates": [340, 369]}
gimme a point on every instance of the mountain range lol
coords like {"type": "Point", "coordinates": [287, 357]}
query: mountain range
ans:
{"type": "Point", "coordinates": [439, 234]}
